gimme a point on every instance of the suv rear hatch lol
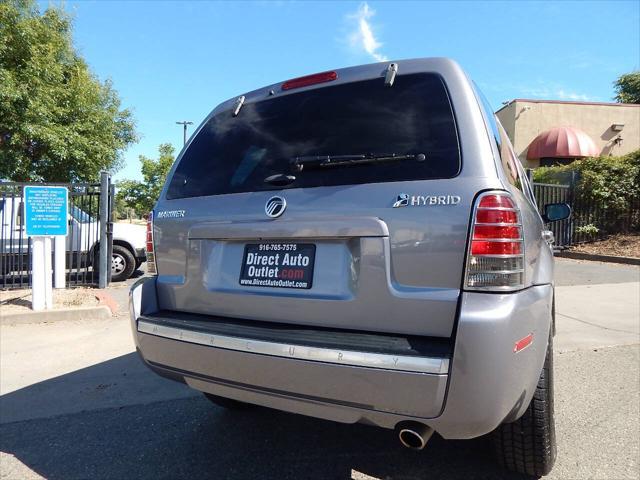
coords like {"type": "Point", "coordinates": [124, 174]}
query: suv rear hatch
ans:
{"type": "Point", "coordinates": [373, 227]}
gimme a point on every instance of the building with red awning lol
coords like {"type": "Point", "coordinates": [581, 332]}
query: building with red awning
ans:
{"type": "Point", "coordinates": [549, 132]}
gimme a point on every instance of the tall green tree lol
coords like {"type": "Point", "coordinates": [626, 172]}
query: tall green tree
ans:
{"type": "Point", "coordinates": [627, 88]}
{"type": "Point", "coordinates": [58, 122]}
{"type": "Point", "coordinates": [141, 196]}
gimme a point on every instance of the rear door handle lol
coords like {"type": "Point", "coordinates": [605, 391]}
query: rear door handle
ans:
{"type": "Point", "coordinates": [548, 237]}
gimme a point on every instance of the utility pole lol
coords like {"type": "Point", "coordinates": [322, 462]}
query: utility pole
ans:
{"type": "Point", "coordinates": [184, 136]}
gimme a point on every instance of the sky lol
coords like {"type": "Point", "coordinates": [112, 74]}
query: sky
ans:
{"type": "Point", "coordinates": [174, 61]}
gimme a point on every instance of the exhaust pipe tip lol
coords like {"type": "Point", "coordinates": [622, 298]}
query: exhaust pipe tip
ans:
{"type": "Point", "coordinates": [414, 435]}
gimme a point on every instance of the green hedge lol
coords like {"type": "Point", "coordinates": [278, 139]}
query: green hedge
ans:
{"type": "Point", "coordinates": [612, 183]}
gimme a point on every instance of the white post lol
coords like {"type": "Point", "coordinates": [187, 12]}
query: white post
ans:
{"type": "Point", "coordinates": [38, 274]}
{"type": "Point", "coordinates": [59, 268]}
{"type": "Point", "coordinates": [105, 261]}
{"type": "Point", "coordinates": [48, 274]}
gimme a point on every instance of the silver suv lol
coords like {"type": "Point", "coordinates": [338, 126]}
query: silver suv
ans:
{"type": "Point", "coordinates": [359, 245]}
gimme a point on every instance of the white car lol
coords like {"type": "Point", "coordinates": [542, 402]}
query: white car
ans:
{"type": "Point", "coordinates": [128, 245]}
{"type": "Point", "coordinates": [83, 237]}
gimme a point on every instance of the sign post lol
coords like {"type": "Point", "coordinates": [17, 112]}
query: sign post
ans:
{"type": "Point", "coordinates": [46, 212]}
{"type": "Point", "coordinates": [59, 261]}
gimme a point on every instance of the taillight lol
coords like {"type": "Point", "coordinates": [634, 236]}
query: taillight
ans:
{"type": "Point", "coordinates": [309, 80]}
{"type": "Point", "coordinates": [151, 256]}
{"type": "Point", "coordinates": [496, 255]}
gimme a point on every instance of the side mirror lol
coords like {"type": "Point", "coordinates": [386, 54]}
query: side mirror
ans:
{"type": "Point", "coordinates": [554, 212]}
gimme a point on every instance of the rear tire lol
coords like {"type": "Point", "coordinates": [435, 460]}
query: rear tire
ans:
{"type": "Point", "coordinates": [122, 263]}
{"type": "Point", "coordinates": [227, 403]}
{"type": "Point", "coordinates": [528, 445]}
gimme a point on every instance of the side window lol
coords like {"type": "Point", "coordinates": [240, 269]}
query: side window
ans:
{"type": "Point", "coordinates": [526, 185]}
{"type": "Point", "coordinates": [507, 155]}
{"type": "Point", "coordinates": [488, 111]}
{"type": "Point", "coordinates": [513, 168]}
{"type": "Point", "coordinates": [509, 161]}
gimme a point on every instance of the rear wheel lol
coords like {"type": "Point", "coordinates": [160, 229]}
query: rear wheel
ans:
{"type": "Point", "coordinates": [227, 403]}
{"type": "Point", "coordinates": [528, 445]}
{"type": "Point", "coordinates": [122, 263]}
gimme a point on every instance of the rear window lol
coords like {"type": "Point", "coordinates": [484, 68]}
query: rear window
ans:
{"type": "Point", "coordinates": [235, 154]}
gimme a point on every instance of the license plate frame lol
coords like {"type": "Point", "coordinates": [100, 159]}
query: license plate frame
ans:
{"type": "Point", "coordinates": [278, 265]}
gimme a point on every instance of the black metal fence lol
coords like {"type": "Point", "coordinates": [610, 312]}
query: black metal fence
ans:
{"type": "Point", "coordinates": [81, 243]}
{"type": "Point", "coordinates": [547, 193]}
{"type": "Point", "coordinates": [590, 221]}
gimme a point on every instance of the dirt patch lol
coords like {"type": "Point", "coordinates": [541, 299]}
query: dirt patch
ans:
{"type": "Point", "coordinates": [618, 246]}
{"type": "Point", "coordinates": [16, 300]}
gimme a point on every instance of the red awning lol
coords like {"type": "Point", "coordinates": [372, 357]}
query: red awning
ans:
{"type": "Point", "coordinates": [562, 142]}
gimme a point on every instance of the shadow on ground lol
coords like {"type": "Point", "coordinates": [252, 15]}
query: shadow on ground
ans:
{"type": "Point", "coordinates": [190, 438]}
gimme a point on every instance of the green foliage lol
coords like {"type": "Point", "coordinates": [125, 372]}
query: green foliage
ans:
{"type": "Point", "coordinates": [589, 230]}
{"type": "Point", "coordinates": [141, 196]}
{"type": "Point", "coordinates": [609, 180]}
{"type": "Point", "coordinates": [556, 175]}
{"type": "Point", "coordinates": [611, 183]}
{"type": "Point", "coordinates": [627, 88]}
{"type": "Point", "coordinates": [58, 122]}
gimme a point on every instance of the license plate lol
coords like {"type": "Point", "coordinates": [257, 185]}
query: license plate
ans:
{"type": "Point", "coordinates": [283, 265]}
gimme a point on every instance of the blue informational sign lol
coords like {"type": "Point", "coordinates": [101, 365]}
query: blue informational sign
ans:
{"type": "Point", "coordinates": [45, 211]}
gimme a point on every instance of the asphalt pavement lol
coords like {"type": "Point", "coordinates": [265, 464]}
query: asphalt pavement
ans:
{"type": "Point", "coordinates": [77, 403]}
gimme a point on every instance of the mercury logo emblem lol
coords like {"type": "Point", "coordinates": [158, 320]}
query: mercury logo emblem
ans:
{"type": "Point", "coordinates": [402, 200]}
{"type": "Point", "coordinates": [275, 207]}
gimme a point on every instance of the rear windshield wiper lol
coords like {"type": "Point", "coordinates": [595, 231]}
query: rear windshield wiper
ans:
{"type": "Point", "coordinates": [328, 161]}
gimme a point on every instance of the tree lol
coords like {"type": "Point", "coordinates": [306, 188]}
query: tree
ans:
{"type": "Point", "coordinates": [627, 88]}
{"type": "Point", "coordinates": [58, 122]}
{"type": "Point", "coordinates": [141, 196]}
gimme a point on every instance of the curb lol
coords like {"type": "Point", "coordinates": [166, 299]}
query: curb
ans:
{"type": "Point", "coordinates": [107, 300]}
{"type": "Point", "coordinates": [598, 258]}
{"type": "Point", "coordinates": [101, 312]}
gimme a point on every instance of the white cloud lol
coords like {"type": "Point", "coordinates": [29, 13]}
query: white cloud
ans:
{"type": "Point", "coordinates": [537, 89]}
{"type": "Point", "coordinates": [564, 95]}
{"type": "Point", "coordinates": [535, 92]}
{"type": "Point", "coordinates": [554, 92]}
{"type": "Point", "coordinates": [362, 37]}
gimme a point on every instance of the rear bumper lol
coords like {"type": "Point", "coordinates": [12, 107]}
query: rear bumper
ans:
{"type": "Point", "coordinates": [484, 384]}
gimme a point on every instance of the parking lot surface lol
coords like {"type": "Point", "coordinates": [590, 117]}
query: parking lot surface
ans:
{"type": "Point", "coordinates": [77, 403]}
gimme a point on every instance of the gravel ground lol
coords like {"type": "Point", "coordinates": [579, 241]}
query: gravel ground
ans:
{"type": "Point", "coordinates": [20, 300]}
{"type": "Point", "coordinates": [597, 421]}
{"type": "Point", "coordinates": [616, 245]}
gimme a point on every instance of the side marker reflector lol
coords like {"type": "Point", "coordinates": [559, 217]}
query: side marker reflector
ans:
{"type": "Point", "coordinates": [523, 343]}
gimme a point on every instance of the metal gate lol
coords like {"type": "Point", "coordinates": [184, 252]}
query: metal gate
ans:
{"type": "Point", "coordinates": [589, 220]}
{"type": "Point", "coordinates": [550, 193]}
{"type": "Point", "coordinates": [82, 243]}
